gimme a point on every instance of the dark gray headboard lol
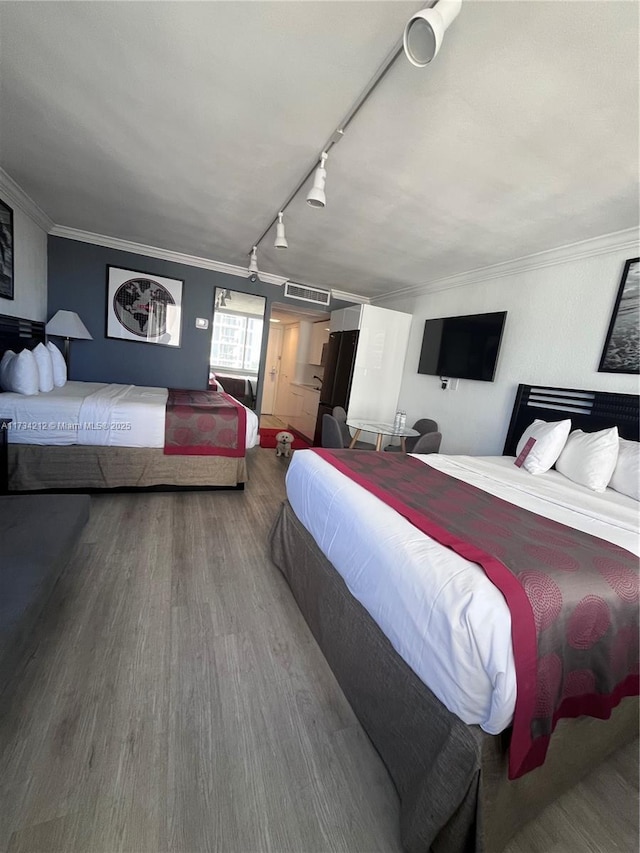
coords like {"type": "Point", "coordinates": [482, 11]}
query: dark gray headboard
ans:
{"type": "Point", "coordinates": [588, 410]}
{"type": "Point", "coordinates": [17, 333]}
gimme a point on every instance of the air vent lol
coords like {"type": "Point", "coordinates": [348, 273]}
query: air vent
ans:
{"type": "Point", "coordinates": [307, 294]}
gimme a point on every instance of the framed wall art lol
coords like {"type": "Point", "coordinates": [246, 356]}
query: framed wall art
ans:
{"type": "Point", "coordinates": [6, 251]}
{"type": "Point", "coordinates": [143, 307]}
{"type": "Point", "coordinates": [621, 353]}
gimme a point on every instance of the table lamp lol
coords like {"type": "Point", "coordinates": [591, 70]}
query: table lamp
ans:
{"type": "Point", "coordinates": [67, 324]}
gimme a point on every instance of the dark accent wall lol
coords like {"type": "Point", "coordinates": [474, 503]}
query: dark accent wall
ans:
{"type": "Point", "coordinates": [78, 282]}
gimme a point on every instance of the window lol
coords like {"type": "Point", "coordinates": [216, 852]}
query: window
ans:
{"type": "Point", "coordinates": [236, 341]}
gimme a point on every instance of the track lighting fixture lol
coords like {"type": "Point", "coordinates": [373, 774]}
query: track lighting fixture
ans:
{"type": "Point", "coordinates": [316, 196]}
{"type": "Point", "coordinates": [253, 265]}
{"type": "Point", "coordinates": [421, 41]}
{"type": "Point", "coordinates": [281, 241]}
{"type": "Point", "coordinates": [425, 30]}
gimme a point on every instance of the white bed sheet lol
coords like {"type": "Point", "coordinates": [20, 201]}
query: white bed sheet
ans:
{"type": "Point", "coordinates": [439, 611]}
{"type": "Point", "coordinates": [121, 415]}
{"type": "Point", "coordinates": [48, 418]}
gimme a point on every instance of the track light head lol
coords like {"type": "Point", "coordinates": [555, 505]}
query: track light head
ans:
{"type": "Point", "coordinates": [425, 30]}
{"type": "Point", "coordinates": [281, 241]}
{"type": "Point", "coordinates": [316, 196]}
{"type": "Point", "coordinates": [253, 265]}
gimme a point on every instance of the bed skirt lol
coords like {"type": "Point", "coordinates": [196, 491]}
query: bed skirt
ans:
{"type": "Point", "coordinates": [33, 468]}
{"type": "Point", "coordinates": [451, 777]}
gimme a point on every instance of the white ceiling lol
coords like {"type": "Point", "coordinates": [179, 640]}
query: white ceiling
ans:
{"type": "Point", "coordinates": [184, 125]}
{"type": "Point", "coordinates": [286, 313]}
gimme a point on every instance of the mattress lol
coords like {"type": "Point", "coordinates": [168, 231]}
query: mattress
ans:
{"type": "Point", "coordinates": [439, 611]}
{"type": "Point", "coordinates": [95, 413]}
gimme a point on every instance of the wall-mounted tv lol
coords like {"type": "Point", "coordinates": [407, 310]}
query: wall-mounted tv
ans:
{"type": "Point", "coordinates": [462, 347]}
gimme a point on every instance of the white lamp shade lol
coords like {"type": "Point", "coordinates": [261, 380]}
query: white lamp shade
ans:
{"type": "Point", "coordinates": [425, 30]}
{"type": "Point", "coordinates": [316, 196]}
{"type": "Point", "coordinates": [67, 324]}
{"type": "Point", "coordinates": [281, 240]}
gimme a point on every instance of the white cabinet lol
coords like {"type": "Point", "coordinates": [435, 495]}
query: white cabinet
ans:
{"type": "Point", "coordinates": [319, 337]}
{"type": "Point", "coordinates": [302, 351]}
{"type": "Point", "coordinates": [310, 403]}
{"type": "Point", "coordinates": [368, 345]}
{"type": "Point", "coordinates": [303, 410]}
{"type": "Point", "coordinates": [346, 319]}
{"type": "Point", "coordinates": [379, 363]}
{"type": "Point", "coordinates": [297, 403]}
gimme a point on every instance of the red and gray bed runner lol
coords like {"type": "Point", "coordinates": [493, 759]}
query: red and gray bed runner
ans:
{"type": "Point", "coordinates": [204, 423]}
{"type": "Point", "coordinates": [573, 598]}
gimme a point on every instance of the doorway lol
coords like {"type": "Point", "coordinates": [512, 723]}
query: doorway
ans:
{"type": "Point", "coordinates": [293, 370]}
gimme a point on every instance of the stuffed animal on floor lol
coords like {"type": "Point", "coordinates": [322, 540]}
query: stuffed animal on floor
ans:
{"type": "Point", "coordinates": [284, 441]}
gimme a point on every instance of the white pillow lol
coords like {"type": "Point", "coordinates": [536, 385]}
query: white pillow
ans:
{"type": "Point", "coordinates": [45, 367]}
{"type": "Point", "coordinates": [550, 439]}
{"type": "Point", "coordinates": [589, 458]}
{"type": "Point", "coordinates": [5, 370]}
{"type": "Point", "coordinates": [626, 475]}
{"type": "Point", "coordinates": [59, 365]}
{"type": "Point", "coordinates": [23, 374]}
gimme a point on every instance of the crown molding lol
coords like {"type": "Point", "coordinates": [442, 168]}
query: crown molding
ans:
{"type": "Point", "coordinates": [14, 194]}
{"type": "Point", "coordinates": [181, 258]}
{"type": "Point", "coordinates": [627, 240]}
{"type": "Point", "coordinates": [162, 254]}
{"type": "Point", "coordinates": [350, 297]}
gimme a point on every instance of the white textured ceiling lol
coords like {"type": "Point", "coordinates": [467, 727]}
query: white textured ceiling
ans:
{"type": "Point", "coordinates": [184, 125]}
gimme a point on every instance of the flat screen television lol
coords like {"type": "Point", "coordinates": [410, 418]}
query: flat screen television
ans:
{"type": "Point", "coordinates": [462, 347]}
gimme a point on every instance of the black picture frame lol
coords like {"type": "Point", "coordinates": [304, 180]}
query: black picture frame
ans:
{"type": "Point", "coordinates": [6, 251]}
{"type": "Point", "coordinates": [117, 315]}
{"type": "Point", "coordinates": [621, 352]}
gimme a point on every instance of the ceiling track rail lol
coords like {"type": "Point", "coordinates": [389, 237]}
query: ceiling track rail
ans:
{"type": "Point", "coordinates": [339, 132]}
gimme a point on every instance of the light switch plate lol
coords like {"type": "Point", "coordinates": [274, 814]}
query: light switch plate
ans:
{"type": "Point", "coordinates": [202, 323]}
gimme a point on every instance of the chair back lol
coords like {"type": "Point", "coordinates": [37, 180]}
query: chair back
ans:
{"type": "Point", "coordinates": [331, 433]}
{"type": "Point", "coordinates": [428, 443]}
{"type": "Point", "coordinates": [341, 417]}
{"type": "Point", "coordinates": [339, 413]}
{"type": "Point", "coordinates": [425, 425]}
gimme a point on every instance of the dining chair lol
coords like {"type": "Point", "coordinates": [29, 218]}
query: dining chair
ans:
{"type": "Point", "coordinates": [424, 426]}
{"type": "Point", "coordinates": [331, 433]}
{"type": "Point", "coordinates": [341, 416]}
{"type": "Point", "coordinates": [428, 443]}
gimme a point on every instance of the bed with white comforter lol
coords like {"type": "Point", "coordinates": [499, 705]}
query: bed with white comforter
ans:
{"type": "Point", "coordinates": [419, 639]}
{"type": "Point", "coordinates": [95, 413]}
{"type": "Point", "coordinates": [440, 612]}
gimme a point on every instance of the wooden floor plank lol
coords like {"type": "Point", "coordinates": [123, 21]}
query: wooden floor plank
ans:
{"type": "Point", "coordinates": [173, 699]}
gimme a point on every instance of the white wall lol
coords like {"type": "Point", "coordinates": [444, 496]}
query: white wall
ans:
{"type": "Point", "coordinates": [30, 255]}
{"type": "Point", "coordinates": [557, 321]}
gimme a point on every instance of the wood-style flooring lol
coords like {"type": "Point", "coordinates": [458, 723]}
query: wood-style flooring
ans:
{"type": "Point", "coordinates": [175, 700]}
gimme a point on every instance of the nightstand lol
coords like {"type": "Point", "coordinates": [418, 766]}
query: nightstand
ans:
{"type": "Point", "coordinates": [4, 455]}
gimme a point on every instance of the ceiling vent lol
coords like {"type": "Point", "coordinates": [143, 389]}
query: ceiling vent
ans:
{"type": "Point", "coordinates": [307, 294]}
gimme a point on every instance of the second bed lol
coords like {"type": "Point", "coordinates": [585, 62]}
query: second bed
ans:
{"type": "Point", "coordinates": [94, 435]}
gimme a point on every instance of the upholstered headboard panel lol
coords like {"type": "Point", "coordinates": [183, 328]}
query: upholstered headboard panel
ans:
{"type": "Point", "coordinates": [17, 333]}
{"type": "Point", "coordinates": [588, 410]}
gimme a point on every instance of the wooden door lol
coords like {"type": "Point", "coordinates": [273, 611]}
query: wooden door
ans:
{"type": "Point", "coordinates": [284, 403]}
{"type": "Point", "coordinates": [272, 371]}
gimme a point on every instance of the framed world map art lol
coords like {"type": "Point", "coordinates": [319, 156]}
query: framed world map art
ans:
{"type": "Point", "coordinates": [143, 307]}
